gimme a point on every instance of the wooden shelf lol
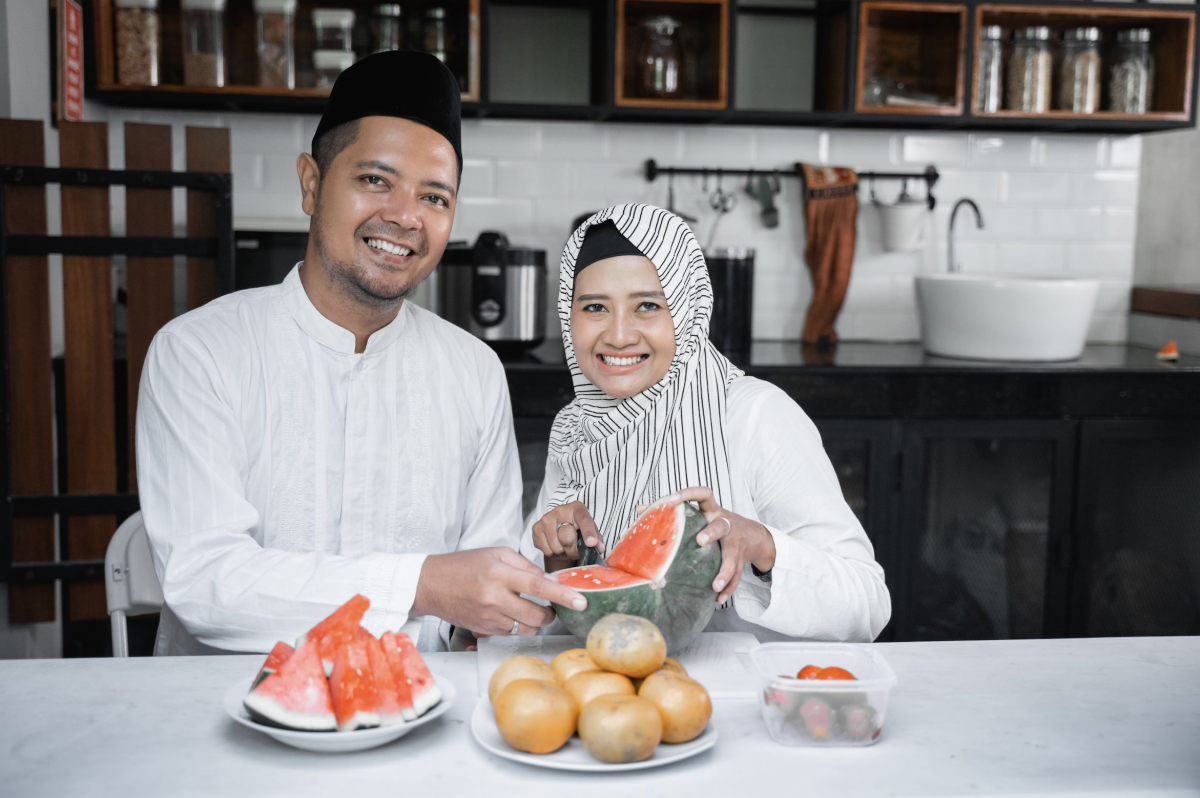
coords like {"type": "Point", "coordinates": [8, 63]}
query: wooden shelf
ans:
{"type": "Point", "coordinates": [1172, 44]}
{"type": "Point", "coordinates": [703, 36]}
{"type": "Point", "coordinates": [916, 44]}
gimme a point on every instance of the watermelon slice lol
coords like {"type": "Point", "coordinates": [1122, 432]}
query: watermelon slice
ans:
{"type": "Point", "coordinates": [277, 657]}
{"type": "Point", "coordinates": [296, 696]}
{"type": "Point", "coordinates": [352, 685]}
{"type": "Point", "coordinates": [409, 669]}
{"type": "Point", "coordinates": [657, 572]}
{"type": "Point", "coordinates": [339, 628]}
{"type": "Point", "coordinates": [391, 711]}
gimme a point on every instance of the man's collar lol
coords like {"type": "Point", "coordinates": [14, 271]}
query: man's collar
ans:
{"type": "Point", "coordinates": [324, 331]}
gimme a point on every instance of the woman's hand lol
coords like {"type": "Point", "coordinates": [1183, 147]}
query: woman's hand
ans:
{"type": "Point", "coordinates": [742, 540]}
{"type": "Point", "coordinates": [554, 535]}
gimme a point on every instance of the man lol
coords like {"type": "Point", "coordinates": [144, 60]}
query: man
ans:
{"type": "Point", "coordinates": [305, 442]}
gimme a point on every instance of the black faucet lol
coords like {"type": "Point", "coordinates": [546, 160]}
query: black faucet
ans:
{"type": "Point", "coordinates": [954, 268]}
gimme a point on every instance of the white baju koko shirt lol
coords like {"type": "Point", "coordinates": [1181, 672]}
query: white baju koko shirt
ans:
{"type": "Point", "coordinates": [825, 584]}
{"type": "Point", "coordinates": [280, 473]}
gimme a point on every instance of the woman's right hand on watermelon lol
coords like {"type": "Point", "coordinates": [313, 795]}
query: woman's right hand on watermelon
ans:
{"type": "Point", "coordinates": [481, 589]}
{"type": "Point", "coordinates": [554, 535]}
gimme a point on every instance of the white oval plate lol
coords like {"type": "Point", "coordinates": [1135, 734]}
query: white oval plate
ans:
{"type": "Point", "coordinates": [333, 742]}
{"type": "Point", "coordinates": [573, 756]}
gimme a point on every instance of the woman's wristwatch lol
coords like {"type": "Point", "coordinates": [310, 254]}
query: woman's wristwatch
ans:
{"type": "Point", "coordinates": [763, 575]}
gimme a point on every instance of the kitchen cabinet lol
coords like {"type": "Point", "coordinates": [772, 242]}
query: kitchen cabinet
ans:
{"type": "Point", "coordinates": [827, 63]}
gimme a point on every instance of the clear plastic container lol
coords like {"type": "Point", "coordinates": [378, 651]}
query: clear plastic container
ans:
{"type": "Point", "coordinates": [334, 28]}
{"type": "Point", "coordinates": [328, 64]}
{"type": "Point", "coordinates": [137, 25]}
{"type": "Point", "coordinates": [203, 27]}
{"type": "Point", "coordinates": [386, 27]}
{"type": "Point", "coordinates": [818, 712]}
{"type": "Point", "coordinates": [276, 43]}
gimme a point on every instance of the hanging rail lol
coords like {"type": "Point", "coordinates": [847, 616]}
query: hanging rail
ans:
{"type": "Point", "coordinates": [653, 170]}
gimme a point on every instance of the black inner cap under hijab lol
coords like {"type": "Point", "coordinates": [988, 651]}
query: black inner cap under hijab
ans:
{"type": "Point", "coordinates": [602, 241]}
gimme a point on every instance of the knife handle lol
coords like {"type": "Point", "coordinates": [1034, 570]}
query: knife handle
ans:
{"type": "Point", "coordinates": [588, 555]}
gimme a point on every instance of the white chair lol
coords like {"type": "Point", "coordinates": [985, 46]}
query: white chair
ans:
{"type": "Point", "coordinates": [130, 582]}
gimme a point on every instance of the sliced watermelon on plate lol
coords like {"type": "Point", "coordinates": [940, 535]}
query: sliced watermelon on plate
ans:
{"type": "Point", "coordinates": [391, 710]}
{"type": "Point", "coordinates": [657, 571]}
{"type": "Point", "coordinates": [339, 628]}
{"type": "Point", "coordinates": [296, 696]}
{"type": "Point", "coordinates": [352, 685]}
{"type": "Point", "coordinates": [409, 669]}
{"type": "Point", "coordinates": [277, 657]}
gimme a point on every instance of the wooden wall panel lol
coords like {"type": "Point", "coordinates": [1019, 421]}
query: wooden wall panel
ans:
{"type": "Point", "coordinates": [149, 282]}
{"type": "Point", "coordinates": [90, 401]}
{"type": "Point", "coordinates": [30, 380]}
{"type": "Point", "coordinates": [207, 151]}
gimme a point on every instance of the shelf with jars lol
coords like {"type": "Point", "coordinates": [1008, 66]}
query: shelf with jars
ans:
{"type": "Point", "coordinates": [1032, 65]}
{"type": "Point", "coordinates": [1084, 63]}
{"type": "Point", "coordinates": [271, 54]}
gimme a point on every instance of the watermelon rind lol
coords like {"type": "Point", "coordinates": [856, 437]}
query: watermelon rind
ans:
{"type": "Point", "coordinates": [294, 697]}
{"type": "Point", "coordinates": [681, 605]}
{"type": "Point", "coordinates": [269, 712]}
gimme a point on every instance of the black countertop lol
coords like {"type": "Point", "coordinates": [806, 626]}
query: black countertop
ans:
{"type": "Point", "coordinates": [880, 380]}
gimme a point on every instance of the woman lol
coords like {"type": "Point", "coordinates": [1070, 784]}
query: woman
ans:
{"type": "Point", "coordinates": [660, 413]}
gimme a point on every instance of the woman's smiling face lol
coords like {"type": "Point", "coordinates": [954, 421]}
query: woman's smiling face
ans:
{"type": "Point", "coordinates": [622, 331]}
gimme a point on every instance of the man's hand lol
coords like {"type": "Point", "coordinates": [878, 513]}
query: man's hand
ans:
{"type": "Point", "coordinates": [480, 589]}
{"type": "Point", "coordinates": [554, 535]}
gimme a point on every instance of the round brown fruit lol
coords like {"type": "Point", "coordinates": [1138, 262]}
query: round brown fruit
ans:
{"type": "Point", "coordinates": [535, 715]}
{"type": "Point", "coordinates": [683, 703]}
{"type": "Point", "coordinates": [620, 728]}
{"type": "Point", "coordinates": [587, 686]}
{"type": "Point", "coordinates": [569, 663]}
{"type": "Point", "coordinates": [670, 663]}
{"type": "Point", "coordinates": [515, 668]}
{"type": "Point", "coordinates": [627, 644]}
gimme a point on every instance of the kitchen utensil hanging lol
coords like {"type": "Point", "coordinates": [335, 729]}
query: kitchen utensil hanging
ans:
{"type": "Point", "coordinates": [722, 202]}
{"type": "Point", "coordinates": [653, 170]}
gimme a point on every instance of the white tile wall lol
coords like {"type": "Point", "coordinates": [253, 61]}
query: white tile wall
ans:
{"type": "Point", "coordinates": [1053, 205]}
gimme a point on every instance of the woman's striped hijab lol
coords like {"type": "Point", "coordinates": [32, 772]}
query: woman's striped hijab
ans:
{"type": "Point", "coordinates": [618, 453]}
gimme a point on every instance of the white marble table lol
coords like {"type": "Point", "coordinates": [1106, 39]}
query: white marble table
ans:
{"type": "Point", "coordinates": [1116, 717]}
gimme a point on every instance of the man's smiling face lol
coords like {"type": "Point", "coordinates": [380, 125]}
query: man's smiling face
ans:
{"type": "Point", "coordinates": [383, 209]}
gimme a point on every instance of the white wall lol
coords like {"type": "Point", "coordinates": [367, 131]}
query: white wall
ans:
{"type": "Point", "coordinates": [1168, 242]}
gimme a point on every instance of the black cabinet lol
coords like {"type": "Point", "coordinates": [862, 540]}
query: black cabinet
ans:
{"type": "Point", "coordinates": [1137, 530]}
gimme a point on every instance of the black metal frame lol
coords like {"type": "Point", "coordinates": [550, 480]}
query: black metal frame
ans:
{"type": "Point", "coordinates": [218, 246]}
{"type": "Point", "coordinates": [916, 435]}
{"type": "Point", "coordinates": [602, 107]}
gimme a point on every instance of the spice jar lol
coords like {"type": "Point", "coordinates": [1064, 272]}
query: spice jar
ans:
{"type": "Point", "coordinates": [334, 28]}
{"type": "Point", "coordinates": [1079, 74]}
{"type": "Point", "coordinates": [328, 64]}
{"type": "Point", "coordinates": [1131, 81]}
{"type": "Point", "coordinates": [436, 39]}
{"type": "Point", "coordinates": [990, 71]}
{"type": "Point", "coordinates": [659, 58]}
{"type": "Point", "coordinates": [276, 43]}
{"type": "Point", "coordinates": [1029, 71]}
{"type": "Point", "coordinates": [203, 27]}
{"type": "Point", "coordinates": [137, 42]}
{"type": "Point", "coordinates": [386, 33]}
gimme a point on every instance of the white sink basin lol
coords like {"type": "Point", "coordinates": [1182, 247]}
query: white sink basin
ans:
{"type": "Point", "coordinates": [993, 317]}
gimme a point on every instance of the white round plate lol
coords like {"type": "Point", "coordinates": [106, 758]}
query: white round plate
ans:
{"type": "Point", "coordinates": [573, 756]}
{"type": "Point", "coordinates": [333, 742]}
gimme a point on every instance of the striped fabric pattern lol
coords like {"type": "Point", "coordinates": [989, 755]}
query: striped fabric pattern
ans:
{"type": "Point", "coordinates": [618, 453]}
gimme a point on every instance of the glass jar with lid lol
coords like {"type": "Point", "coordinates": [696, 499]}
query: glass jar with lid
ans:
{"type": "Point", "coordinates": [659, 58]}
{"type": "Point", "coordinates": [386, 28]}
{"type": "Point", "coordinates": [1131, 80]}
{"type": "Point", "coordinates": [203, 25]}
{"type": "Point", "coordinates": [276, 43]}
{"type": "Point", "coordinates": [437, 38]}
{"type": "Point", "coordinates": [137, 29]}
{"type": "Point", "coordinates": [334, 28]}
{"type": "Point", "coordinates": [328, 64]}
{"type": "Point", "coordinates": [990, 70]}
{"type": "Point", "coordinates": [1029, 71]}
{"type": "Point", "coordinates": [1079, 72]}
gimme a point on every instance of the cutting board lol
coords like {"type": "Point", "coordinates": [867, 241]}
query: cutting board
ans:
{"type": "Point", "coordinates": [717, 659]}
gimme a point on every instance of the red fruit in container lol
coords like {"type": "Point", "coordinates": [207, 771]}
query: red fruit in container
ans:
{"type": "Point", "coordinates": [809, 672]}
{"type": "Point", "coordinates": [857, 721]}
{"type": "Point", "coordinates": [818, 717]}
{"type": "Point", "coordinates": [834, 673]}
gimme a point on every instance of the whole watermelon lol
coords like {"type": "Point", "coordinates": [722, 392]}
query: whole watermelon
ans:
{"type": "Point", "coordinates": [657, 571]}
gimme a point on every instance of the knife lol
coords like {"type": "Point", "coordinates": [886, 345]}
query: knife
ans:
{"type": "Point", "coordinates": [588, 555]}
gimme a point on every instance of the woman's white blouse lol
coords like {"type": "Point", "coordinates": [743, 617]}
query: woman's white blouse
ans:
{"type": "Point", "coordinates": [825, 584]}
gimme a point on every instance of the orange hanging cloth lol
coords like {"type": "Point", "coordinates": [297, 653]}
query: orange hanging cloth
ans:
{"type": "Point", "coordinates": [830, 214]}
